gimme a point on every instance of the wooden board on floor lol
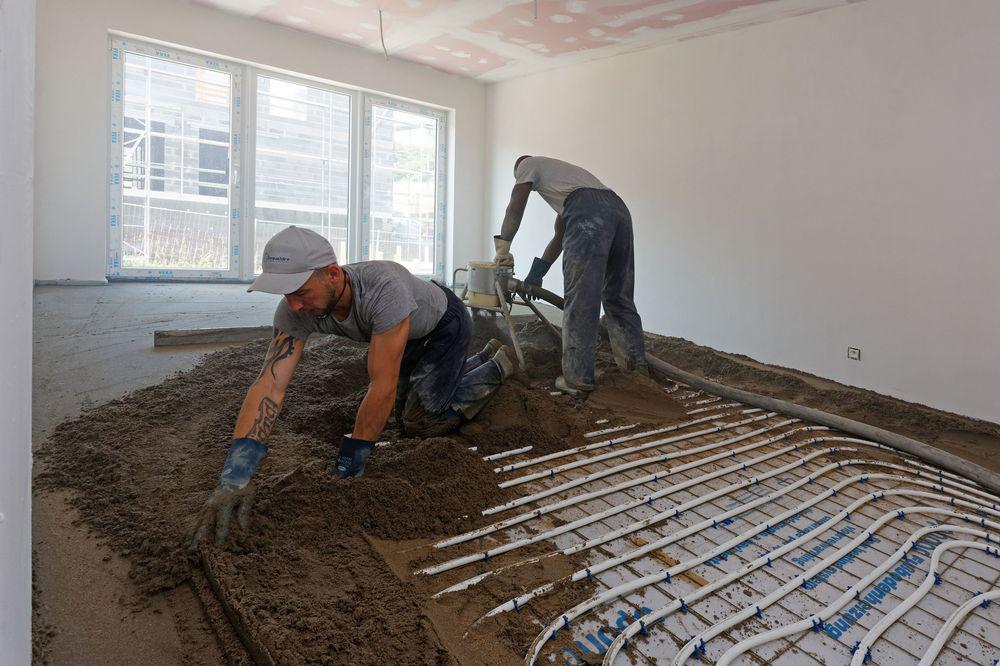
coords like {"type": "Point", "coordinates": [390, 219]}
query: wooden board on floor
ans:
{"type": "Point", "coordinates": [201, 336]}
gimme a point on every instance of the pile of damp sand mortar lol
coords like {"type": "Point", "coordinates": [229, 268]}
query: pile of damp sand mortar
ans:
{"type": "Point", "coordinates": [324, 574]}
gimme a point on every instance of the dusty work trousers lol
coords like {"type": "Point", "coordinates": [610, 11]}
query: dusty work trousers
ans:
{"type": "Point", "coordinates": [438, 385]}
{"type": "Point", "coordinates": [598, 268]}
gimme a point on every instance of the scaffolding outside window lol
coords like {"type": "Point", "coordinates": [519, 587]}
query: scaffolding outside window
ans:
{"type": "Point", "coordinates": [200, 179]}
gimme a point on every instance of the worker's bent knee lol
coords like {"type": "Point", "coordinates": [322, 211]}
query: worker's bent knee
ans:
{"type": "Point", "coordinates": [417, 422]}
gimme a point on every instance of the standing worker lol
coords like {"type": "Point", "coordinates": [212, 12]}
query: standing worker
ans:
{"type": "Point", "coordinates": [593, 229]}
{"type": "Point", "coordinates": [417, 333]}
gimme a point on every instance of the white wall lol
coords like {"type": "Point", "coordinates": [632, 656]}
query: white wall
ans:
{"type": "Point", "coordinates": [73, 89]}
{"type": "Point", "coordinates": [17, 83]}
{"type": "Point", "coordinates": [798, 187]}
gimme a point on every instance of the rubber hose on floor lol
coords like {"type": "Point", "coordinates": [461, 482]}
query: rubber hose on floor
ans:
{"type": "Point", "coordinates": [947, 461]}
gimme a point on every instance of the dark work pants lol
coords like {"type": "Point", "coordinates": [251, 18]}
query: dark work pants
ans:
{"type": "Point", "coordinates": [438, 385]}
{"type": "Point", "coordinates": [598, 268]}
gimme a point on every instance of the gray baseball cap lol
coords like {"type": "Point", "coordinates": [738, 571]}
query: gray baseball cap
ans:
{"type": "Point", "coordinates": [290, 257]}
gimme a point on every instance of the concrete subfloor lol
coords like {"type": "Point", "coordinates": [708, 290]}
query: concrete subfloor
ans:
{"type": "Point", "coordinates": [91, 345]}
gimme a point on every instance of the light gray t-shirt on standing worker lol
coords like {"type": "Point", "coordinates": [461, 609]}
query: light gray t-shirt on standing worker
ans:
{"type": "Point", "coordinates": [383, 294]}
{"type": "Point", "coordinates": [554, 179]}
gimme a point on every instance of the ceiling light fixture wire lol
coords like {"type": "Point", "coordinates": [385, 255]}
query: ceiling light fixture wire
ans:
{"type": "Point", "coordinates": [381, 35]}
{"type": "Point", "coordinates": [536, 10]}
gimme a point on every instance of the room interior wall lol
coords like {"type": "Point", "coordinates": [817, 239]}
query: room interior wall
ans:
{"type": "Point", "coordinates": [797, 188]}
{"type": "Point", "coordinates": [72, 113]}
{"type": "Point", "coordinates": [17, 80]}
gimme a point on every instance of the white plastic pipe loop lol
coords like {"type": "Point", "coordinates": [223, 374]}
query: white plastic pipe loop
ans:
{"type": "Point", "coordinates": [861, 650]}
{"type": "Point", "coordinates": [673, 512]}
{"type": "Point", "coordinates": [608, 431]}
{"type": "Point", "coordinates": [619, 453]}
{"type": "Point", "coordinates": [665, 574]}
{"type": "Point", "coordinates": [648, 499]}
{"type": "Point", "coordinates": [720, 627]}
{"type": "Point", "coordinates": [702, 410]}
{"type": "Point", "coordinates": [706, 401]}
{"type": "Point", "coordinates": [520, 601]}
{"type": "Point", "coordinates": [825, 614]}
{"type": "Point", "coordinates": [624, 485]}
{"type": "Point", "coordinates": [507, 454]}
{"type": "Point", "coordinates": [953, 623]}
{"type": "Point", "coordinates": [607, 442]}
{"type": "Point", "coordinates": [590, 478]}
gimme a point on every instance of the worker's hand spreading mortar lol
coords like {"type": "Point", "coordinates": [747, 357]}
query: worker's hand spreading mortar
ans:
{"type": "Point", "coordinates": [417, 331]}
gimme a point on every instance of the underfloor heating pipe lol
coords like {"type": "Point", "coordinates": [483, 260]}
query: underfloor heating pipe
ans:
{"type": "Point", "coordinates": [984, 477]}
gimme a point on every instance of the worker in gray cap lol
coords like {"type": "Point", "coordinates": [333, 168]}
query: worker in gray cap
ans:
{"type": "Point", "coordinates": [417, 331]}
{"type": "Point", "coordinates": [593, 231]}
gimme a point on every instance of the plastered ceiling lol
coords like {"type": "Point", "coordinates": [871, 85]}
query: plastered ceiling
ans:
{"type": "Point", "coordinates": [493, 40]}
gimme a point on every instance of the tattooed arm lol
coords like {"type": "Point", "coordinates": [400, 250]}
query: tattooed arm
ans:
{"type": "Point", "coordinates": [266, 395]}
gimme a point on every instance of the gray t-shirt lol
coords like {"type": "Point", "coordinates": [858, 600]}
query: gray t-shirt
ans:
{"type": "Point", "coordinates": [554, 179]}
{"type": "Point", "coordinates": [383, 293]}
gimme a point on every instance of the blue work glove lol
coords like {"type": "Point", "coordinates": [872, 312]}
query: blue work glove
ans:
{"type": "Point", "coordinates": [352, 457]}
{"type": "Point", "coordinates": [233, 493]}
{"type": "Point", "coordinates": [539, 267]}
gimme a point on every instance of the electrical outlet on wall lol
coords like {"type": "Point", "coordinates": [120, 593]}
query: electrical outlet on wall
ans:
{"type": "Point", "coordinates": [854, 353]}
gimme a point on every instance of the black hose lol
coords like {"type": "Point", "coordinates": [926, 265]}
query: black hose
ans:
{"type": "Point", "coordinates": [947, 461]}
{"type": "Point", "coordinates": [535, 291]}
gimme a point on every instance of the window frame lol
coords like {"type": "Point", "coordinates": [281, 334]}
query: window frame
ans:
{"type": "Point", "coordinates": [441, 175]}
{"type": "Point", "coordinates": [115, 205]}
{"type": "Point", "coordinates": [255, 73]}
{"type": "Point", "coordinates": [242, 179]}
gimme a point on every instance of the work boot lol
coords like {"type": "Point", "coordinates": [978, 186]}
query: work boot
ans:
{"type": "Point", "coordinates": [577, 391]}
{"type": "Point", "coordinates": [491, 348]}
{"type": "Point", "coordinates": [506, 358]}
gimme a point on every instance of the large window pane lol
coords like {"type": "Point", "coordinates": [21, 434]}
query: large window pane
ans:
{"type": "Point", "coordinates": [175, 165]}
{"type": "Point", "coordinates": [302, 162]}
{"type": "Point", "coordinates": [403, 188]}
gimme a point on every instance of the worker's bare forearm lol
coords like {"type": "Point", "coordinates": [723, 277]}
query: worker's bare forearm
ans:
{"type": "Point", "coordinates": [264, 400]}
{"type": "Point", "coordinates": [515, 211]}
{"type": "Point", "coordinates": [511, 223]}
{"type": "Point", "coordinates": [259, 412]}
{"type": "Point", "coordinates": [554, 248]}
{"type": "Point", "coordinates": [374, 412]}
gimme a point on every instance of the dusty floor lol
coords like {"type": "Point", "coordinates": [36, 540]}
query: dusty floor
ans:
{"type": "Point", "coordinates": [116, 488]}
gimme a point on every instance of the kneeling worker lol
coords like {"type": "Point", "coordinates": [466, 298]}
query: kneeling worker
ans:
{"type": "Point", "coordinates": [418, 333]}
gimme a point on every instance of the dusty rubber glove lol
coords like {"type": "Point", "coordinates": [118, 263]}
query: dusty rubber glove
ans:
{"type": "Point", "coordinates": [503, 256]}
{"type": "Point", "coordinates": [233, 493]}
{"type": "Point", "coordinates": [539, 267]}
{"type": "Point", "coordinates": [352, 457]}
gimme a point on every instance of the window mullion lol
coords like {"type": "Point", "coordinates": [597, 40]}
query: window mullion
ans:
{"type": "Point", "coordinates": [249, 174]}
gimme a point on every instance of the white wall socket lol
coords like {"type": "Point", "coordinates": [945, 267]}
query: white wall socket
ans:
{"type": "Point", "coordinates": [854, 353]}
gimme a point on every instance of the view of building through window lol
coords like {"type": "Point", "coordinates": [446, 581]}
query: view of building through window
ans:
{"type": "Point", "coordinates": [302, 165]}
{"type": "Point", "coordinates": [175, 165]}
{"type": "Point", "coordinates": [403, 188]}
{"type": "Point", "coordinates": [191, 197]}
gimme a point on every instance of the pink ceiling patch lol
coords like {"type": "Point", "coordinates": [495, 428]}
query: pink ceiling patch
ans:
{"type": "Point", "coordinates": [497, 39]}
{"type": "Point", "coordinates": [454, 55]}
{"type": "Point", "coordinates": [566, 27]}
